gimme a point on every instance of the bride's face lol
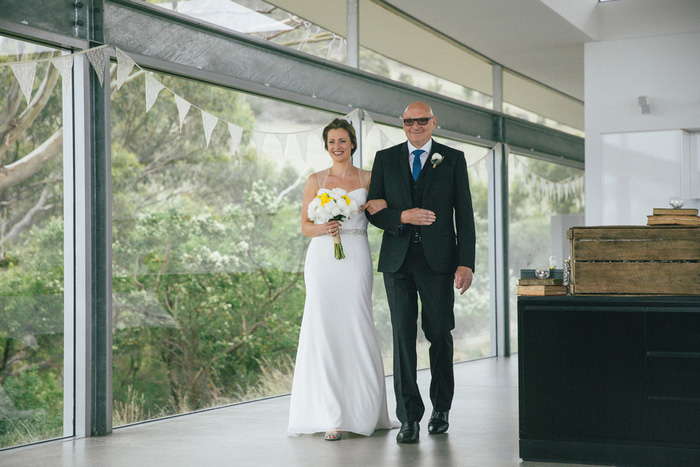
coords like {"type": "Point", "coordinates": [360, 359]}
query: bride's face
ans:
{"type": "Point", "coordinates": [339, 145]}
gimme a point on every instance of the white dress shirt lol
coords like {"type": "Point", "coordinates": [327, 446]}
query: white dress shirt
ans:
{"type": "Point", "coordinates": [423, 157]}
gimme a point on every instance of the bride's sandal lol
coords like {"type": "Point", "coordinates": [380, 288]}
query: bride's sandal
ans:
{"type": "Point", "coordinates": [333, 435]}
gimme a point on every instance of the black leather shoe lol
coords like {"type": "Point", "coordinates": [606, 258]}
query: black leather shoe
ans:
{"type": "Point", "coordinates": [438, 422]}
{"type": "Point", "coordinates": [408, 433]}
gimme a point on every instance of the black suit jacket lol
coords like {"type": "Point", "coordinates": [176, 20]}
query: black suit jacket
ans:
{"type": "Point", "coordinates": [451, 240]}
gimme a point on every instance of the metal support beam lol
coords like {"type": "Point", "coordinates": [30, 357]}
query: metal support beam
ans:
{"type": "Point", "coordinates": [503, 221]}
{"type": "Point", "coordinates": [98, 201]}
{"type": "Point", "coordinates": [48, 16]}
{"type": "Point", "coordinates": [357, 124]}
{"type": "Point", "coordinates": [352, 35]}
{"type": "Point", "coordinates": [498, 255]}
{"type": "Point", "coordinates": [544, 142]}
{"type": "Point", "coordinates": [497, 73]}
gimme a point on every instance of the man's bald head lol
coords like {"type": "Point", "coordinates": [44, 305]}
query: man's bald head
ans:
{"type": "Point", "coordinates": [416, 133]}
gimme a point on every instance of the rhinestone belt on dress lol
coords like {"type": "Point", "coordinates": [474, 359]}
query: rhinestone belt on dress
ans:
{"type": "Point", "coordinates": [353, 232]}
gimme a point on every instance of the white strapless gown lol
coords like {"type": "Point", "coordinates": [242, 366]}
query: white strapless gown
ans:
{"type": "Point", "coordinates": [339, 377]}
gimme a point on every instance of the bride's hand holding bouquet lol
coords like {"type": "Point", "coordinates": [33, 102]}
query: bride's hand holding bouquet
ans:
{"type": "Point", "coordinates": [332, 205]}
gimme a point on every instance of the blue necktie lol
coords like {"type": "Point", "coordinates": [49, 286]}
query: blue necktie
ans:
{"type": "Point", "coordinates": [416, 163]}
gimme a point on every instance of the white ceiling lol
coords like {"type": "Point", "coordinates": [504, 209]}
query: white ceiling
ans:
{"type": "Point", "coordinates": [544, 39]}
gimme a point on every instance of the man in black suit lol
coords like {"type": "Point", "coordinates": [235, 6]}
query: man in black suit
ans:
{"type": "Point", "coordinates": [429, 241]}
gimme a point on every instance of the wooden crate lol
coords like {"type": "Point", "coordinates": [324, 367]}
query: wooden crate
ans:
{"type": "Point", "coordinates": [635, 260]}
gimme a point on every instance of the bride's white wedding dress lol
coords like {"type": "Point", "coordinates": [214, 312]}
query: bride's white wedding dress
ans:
{"type": "Point", "coordinates": [339, 378]}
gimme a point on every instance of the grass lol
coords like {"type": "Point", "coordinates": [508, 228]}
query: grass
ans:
{"type": "Point", "coordinates": [37, 427]}
{"type": "Point", "coordinates": [275, 379]}
{"type": "Point", "coordinates": [131, 410]}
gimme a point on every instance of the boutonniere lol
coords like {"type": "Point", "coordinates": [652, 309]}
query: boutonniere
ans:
{"type": "Point", "coordinates": [436, 159]}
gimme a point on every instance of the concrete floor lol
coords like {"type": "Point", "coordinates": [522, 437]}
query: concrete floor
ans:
{"type": "Point", "coordinates": [483, 433]}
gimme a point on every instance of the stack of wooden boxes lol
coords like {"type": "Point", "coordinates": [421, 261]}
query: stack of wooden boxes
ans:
{"type": "Point", "coordinates": [635, 260]}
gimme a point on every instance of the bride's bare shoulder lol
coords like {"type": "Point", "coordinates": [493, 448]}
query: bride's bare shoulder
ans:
{"type": "Point", "coordinates": [312, 182]}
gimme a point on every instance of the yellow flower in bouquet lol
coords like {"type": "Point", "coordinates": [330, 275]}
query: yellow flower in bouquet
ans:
{"type": "Point", "coordinates": [333, 205]}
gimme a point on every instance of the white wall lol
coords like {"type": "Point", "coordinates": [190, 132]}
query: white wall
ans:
{"type": "Point", "coordinates": [641, 171]}
{"type": "Point", "coordinates": [666, 69]}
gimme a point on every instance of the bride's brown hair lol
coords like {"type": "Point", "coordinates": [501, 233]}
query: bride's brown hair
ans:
{"type": "Point", "coordinates": [340, 124]}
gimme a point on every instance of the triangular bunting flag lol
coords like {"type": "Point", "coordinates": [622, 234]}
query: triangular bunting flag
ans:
{"type": "Point", "coordinates": [302, 139]}
{"type": "Point", "coordinates": [476, 169]}
{"type": "Point", "coordinates": [354, 118]}
{"type": "Point", "coordinates": [64, 65]}
{"type": "Point", "coordinates": [124, 66]}
{"type": "Point", "coordinates": [282, 138]}
{"type": "Point", "coordinates": [318, 132]}
{"type": "Point", "coordinates": [25, 73]}
{"type": "Point", "coordinates": [182, 108]}
{"type": "Point", "coordinates": [383, 140]}
{"type": "Point", "coordinates": [209, 122]}
{"type": "Point", "coordinates": [259, 138]}
{"type": "Point", "coordinates": [369, 123]}
{"type": "Point", "coordinates": [516, 162]}
{"type": "Point", "coordinates": [153, 87]}
{"type": "Point", "coordinates": [98, 60]}
{"type": "Point", "coordinates": [236, 133]}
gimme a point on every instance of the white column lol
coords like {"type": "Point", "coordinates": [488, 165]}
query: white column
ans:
{"type": "Point", "coordinates": [82, 246]}
{"type": "Point", "coordinates": [68, 265]}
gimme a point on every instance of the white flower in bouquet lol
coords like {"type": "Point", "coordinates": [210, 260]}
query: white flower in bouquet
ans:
{"type": "Point", "coordinates": [333, 205]}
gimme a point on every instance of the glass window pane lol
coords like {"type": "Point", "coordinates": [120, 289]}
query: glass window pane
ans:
{"type": "Point", "coordinates": [545, 199]}
{"type": "Point", "coordinates": [421, 57]}
{"type": "Point", "coordinates": [384, 66]}
{"type": "Point", "coordinates": [269, 22]}
{"type": "Point", "coordinates": [318, 27]}
{"type": "Point", "coordinates": [208, 253]}
{"type": "Point", "coordinates": [533, 102]}
{"type": "Point", "coordinates": [31, 249]}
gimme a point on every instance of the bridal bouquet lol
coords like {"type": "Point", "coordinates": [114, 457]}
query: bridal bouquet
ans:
{"type": "Point", "coordinates": [332, 205]}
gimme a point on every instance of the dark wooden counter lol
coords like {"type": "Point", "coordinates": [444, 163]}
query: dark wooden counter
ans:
{"type": "Point", "coordinates": [605, 379]}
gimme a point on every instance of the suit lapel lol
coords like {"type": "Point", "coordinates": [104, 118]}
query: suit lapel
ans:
{"type": "Point", "coordinates": [402, 167]}
{"type": "Point", "coordinates": [429, 168]}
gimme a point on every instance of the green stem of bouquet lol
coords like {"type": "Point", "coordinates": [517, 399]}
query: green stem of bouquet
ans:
{"type": "Point", "coordinates": [339, 253]}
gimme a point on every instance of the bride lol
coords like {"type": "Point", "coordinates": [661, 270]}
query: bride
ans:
{"type": "Point", "coordinates": [338, 378]}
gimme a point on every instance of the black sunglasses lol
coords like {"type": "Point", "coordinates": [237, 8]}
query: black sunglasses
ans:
{"type": "Point", "coordinates": [420, 121]}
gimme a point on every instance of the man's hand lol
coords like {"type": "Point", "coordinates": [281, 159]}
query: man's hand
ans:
{"type": "Point", "coordinates": [417, 216]}
{"type": "Point", "coordinates": [463, 278]}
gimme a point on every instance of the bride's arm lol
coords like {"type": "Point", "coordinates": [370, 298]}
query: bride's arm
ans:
{"type": "Point", "coordinates": [308, 228]}
{"type": "Point", "coordinates": [373, 206]}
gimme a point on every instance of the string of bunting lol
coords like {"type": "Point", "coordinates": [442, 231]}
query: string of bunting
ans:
{"type": "Point", "coordinates": [98, 57]}
{"type": "Point", "coordinates": [563, 189]}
